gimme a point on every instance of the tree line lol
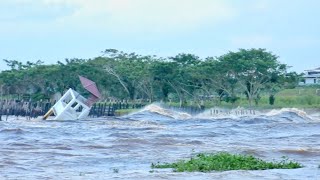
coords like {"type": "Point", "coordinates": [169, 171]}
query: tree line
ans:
{"type": "Point", "coordinates": [181, 78]}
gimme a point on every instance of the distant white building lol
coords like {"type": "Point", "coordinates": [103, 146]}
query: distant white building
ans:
{"type": "Point", "coordinates": [312, 77]}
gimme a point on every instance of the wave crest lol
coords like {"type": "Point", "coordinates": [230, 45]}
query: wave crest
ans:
{"type": "Point", "coordinates": [155, 108]}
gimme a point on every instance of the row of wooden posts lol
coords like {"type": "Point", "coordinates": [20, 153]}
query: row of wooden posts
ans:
{"type": "Point", "coordinates": [31, 109]}
{"type": "Point", "coordinates": [109, 109]}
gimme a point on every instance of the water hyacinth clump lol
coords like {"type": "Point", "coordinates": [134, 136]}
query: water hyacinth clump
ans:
{"type": "Point", "coordinates": [224, 161]}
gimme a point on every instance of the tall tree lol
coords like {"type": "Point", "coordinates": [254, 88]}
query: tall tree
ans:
{"type": "Point", "coordinates": [253, 69]}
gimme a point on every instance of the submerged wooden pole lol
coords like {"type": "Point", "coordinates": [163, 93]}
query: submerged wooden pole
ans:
{"type": "Point", "coordinates": [47, 114]}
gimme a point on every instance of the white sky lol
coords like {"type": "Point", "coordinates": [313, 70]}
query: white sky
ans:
{"type": "Point", "coordinates": [52, 30]}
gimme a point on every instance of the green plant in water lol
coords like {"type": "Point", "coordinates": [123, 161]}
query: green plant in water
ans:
{"type": "Point", "coordinates": [224, 162]}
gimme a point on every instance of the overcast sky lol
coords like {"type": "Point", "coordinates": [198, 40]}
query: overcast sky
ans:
{"type": "Point", "coordinates": [52, 30]}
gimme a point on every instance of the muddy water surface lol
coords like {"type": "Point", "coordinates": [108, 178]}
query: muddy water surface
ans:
{"type": "Point", "coordinates": [125, 147]}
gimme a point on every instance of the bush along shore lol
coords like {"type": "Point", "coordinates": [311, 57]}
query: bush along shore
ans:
{"type": "Point", "coordinates": [224, 161]}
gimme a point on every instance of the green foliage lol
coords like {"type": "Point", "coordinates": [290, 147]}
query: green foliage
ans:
{"type": "Point", "coordinates": [271, 99]}
{"type": "Point", "coordinates": [181, 78]}
{"type": "Point", "coordinates": [251, 70]}
{"type": "Point", "coordinates": [225, 162]}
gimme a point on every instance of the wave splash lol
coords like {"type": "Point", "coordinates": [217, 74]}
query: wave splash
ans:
{"type": "Point", "coordinates": [156, 108]}
{"type": "Point", "coordinates": [284, 114]}
{"type": "Point", "coordinates": [293, 114]}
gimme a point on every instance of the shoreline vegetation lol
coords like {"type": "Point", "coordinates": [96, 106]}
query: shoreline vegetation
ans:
{"type": "Point", "coordinates": [303, 98]}
{"type": "Point", "coordinates": [224, 161]}
{"type": "Point", "coordinates": [290, 98]}
{"type": "Point", "coordinates": [246, 77]}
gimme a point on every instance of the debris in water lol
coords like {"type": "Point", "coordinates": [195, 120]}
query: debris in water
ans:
{"type": "Point", "coordinates": [72, 105]}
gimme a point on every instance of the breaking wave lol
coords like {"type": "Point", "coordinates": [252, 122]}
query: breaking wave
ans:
{"type": "Point", "coordinates": [240, 114]}
{"type": "Point", "coordinates": [221, 113]}
{"type": "Point", "coordinates": [157, 109]}
{"type": "Point", "coordinates": [293, 113]}
{"type": "Point", "coordinates": [274, 115]}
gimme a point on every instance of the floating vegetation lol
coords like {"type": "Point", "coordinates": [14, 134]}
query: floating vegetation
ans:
{"type": "Point", "coordinates": [224, 161]}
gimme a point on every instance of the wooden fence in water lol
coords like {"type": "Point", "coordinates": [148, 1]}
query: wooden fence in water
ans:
{"type": "Point", "coordinates": [109, 109]}
{"type": "Point", "coordinates": [29, 109]}
{"type": "Point", "coordinates": [26, 109]}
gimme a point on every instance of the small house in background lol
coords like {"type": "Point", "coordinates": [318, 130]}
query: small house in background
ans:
{"type": "Point", "coordinates": [312, 77]}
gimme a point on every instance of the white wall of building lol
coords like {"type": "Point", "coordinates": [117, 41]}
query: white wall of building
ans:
{"type": "Point", "coordinates": [312, 81]}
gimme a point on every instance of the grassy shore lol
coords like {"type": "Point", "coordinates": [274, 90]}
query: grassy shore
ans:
{"type": "Point", "coordinates": [225, 162]}
{"type": "Point", "coordinates": [300, 97]}
{"type": "Point", "coordinates": [305, 98]}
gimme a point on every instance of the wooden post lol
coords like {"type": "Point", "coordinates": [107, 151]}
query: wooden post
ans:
{"type": "Point", "coordinates": [47, 114]}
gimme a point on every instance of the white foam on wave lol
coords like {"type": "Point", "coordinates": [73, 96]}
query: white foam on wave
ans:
{"type": "Point", "coordinates": [156, 108]}
{"type": "Point", "coordinates": [222, 113]}
{"type": "Point", "coordinates": [293, 114]}
{"type": "Point", "coordinates": [275, 112]}
{"type": "Point", "coordinates": [298, 112]}
{"type": "Point", "coordinates": [240, 112]}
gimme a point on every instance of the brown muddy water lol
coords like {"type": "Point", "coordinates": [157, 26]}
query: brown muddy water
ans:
{"type": "Point", "coordinates": [124, 147]}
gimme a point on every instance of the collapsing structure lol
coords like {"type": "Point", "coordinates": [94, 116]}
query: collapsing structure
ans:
{"type": "Point", "coordinates": [72, 105]}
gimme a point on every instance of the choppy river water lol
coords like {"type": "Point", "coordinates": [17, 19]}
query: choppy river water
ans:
{"type": "Point", "coordinates": [124, 147]}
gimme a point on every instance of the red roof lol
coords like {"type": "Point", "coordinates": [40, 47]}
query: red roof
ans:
{"type": "Point", "coordinates": [90, 86]}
